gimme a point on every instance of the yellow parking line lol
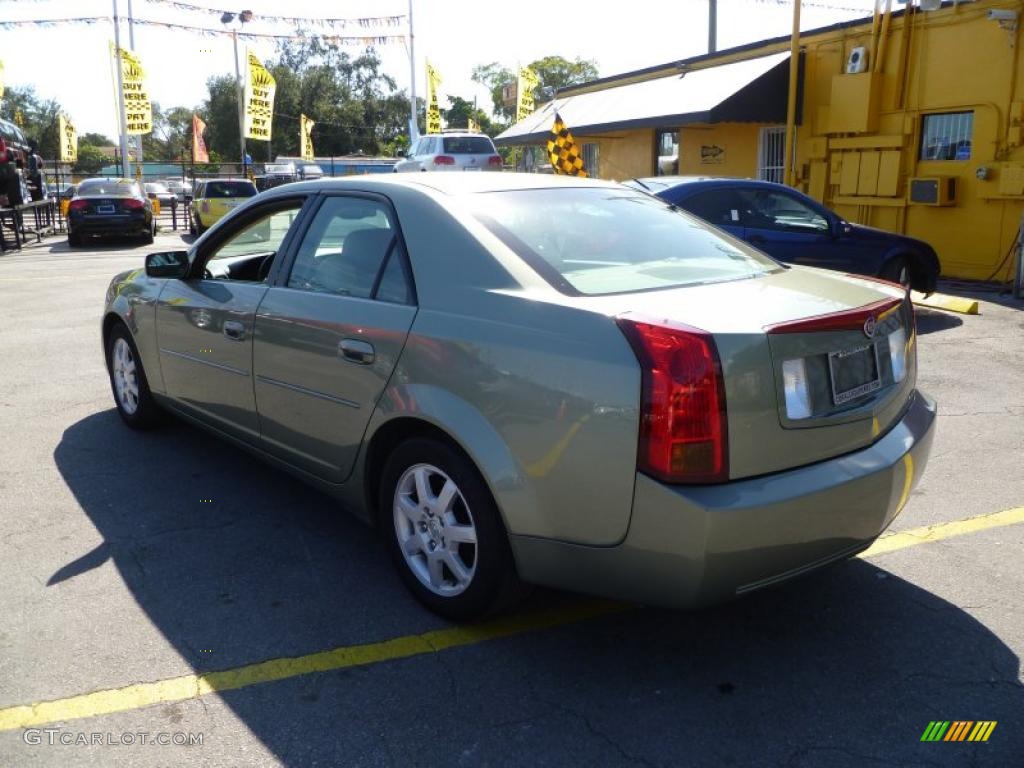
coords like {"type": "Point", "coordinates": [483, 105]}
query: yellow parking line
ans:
{"type": "Point", "coordinates": [140, 695]}
{"type": "Point", "coordinates": [891, 542]}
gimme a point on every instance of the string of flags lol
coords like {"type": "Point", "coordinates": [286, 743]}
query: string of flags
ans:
{"type": "Point", "coordinates": [337, 23]}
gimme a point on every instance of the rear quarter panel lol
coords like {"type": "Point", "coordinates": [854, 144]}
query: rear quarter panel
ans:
{"type": "Point", "coordinates": [543, 396]}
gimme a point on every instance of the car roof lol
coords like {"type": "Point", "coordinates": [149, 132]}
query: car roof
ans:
{"type": "Point", "coordinates": [444, 182]}
{"type": "Point", "coordinates": [699, 182]}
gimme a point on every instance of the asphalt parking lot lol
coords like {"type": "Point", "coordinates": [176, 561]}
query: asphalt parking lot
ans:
{"type": "Point", "coordinates": [164, 583]}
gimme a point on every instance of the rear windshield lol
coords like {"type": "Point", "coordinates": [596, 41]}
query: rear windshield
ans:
{"type": "Point", "coordinates": [468, 145]}
{"type": "Point", "coordinates": [613, 240]}
{"type": "Point", "coordinates": [229, 189]}
{"type": "Point", "coordinates": [109, 188]}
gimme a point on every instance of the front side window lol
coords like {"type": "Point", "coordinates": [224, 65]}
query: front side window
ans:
{"type": "Point", "coordinates": [249, 253]}
{"type": "Point", "coordinates": [351, 250]}
{"type": "Point", "coordinates": [602, 240]}
{"type": "Point", "coordinates": [766, 209]}
{"type": "Point", "coordinates": [947, 136]}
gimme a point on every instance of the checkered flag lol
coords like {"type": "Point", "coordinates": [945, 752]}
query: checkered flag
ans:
{"type": "Point", "coordinates": [565, 158]}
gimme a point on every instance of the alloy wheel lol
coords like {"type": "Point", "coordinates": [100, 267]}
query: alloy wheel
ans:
{"type": "Point", "coordinates": [126, 382]}
{"type": "Point", "coordinates": [435, 530]}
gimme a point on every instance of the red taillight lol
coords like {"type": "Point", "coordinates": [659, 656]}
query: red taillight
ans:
{"type": "Point", "coordinates": [494, 160]}
{"type": "Point", "coordinates": [131, 204]}
{"type": "Point", "coordinates": [444, 160]}
{"type": "Point", "coordinates": [77, 205]}
{"type": "Point", "coordinates": [683, 430]}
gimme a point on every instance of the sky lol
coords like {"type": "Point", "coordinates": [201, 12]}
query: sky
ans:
{"type": "Point", "coordinates": [71, 63]}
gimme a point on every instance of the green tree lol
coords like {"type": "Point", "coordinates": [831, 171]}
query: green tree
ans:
{"type": "Point", "coordinates": [90, 159]}
{"type": "Point", "coordinates": [553, 72]}
{"type": "Point", "coordinates": [220, 111]}
{"type": "Point", "coordinates": [461, 111]}
{"type": "Point", "coordinates": [96, 139]}
{"type": "Point", "coordinates": [36, 117]}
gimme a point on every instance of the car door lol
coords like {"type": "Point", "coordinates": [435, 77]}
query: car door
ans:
{"type": "Point", "coordinates": [205, 323]}
{"type": "Point", "coordinates": [789, 228]}
{"type": "Point", "coordinates": [329, 333]}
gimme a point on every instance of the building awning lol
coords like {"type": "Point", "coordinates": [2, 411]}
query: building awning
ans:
{"type": "Point", "coordinates": [751, 91]}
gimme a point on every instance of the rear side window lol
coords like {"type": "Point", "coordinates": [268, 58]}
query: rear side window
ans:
{"type": "Point", "coordinates": [468, 145]}
{"type": "Point", "coordinates": [229, 189]}
{"type": "Point", "coordinates": [603, 240]}
{"type": "Point", "coordinates": [722, 207]}
{"type": "Point", "coordinates": [351, 249]}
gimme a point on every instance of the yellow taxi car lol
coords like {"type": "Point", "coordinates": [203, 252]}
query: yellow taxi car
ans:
{"type": "Point", "coordinates": [214, 198]}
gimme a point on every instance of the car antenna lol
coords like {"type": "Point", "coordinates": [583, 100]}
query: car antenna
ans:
{"type": "Point", "coordinates": [642, 184]}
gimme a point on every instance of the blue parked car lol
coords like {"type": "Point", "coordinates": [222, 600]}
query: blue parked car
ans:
{"type": "Point", "coordinates": [796, 229]}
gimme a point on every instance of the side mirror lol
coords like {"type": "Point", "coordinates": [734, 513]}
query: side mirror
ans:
{"type": "Point", "coordinates": [840, 228]}
{"type": "Point", "coordinates": [172, 264]}
{"type": "Point", "coordinates": [399, 153]}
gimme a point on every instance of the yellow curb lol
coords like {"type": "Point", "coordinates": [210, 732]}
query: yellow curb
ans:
{"type": "Point", "coordinates": [948, 303]}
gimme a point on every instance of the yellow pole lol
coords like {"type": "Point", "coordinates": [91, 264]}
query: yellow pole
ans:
{"type": "Point", "coordinates": [794, 71]}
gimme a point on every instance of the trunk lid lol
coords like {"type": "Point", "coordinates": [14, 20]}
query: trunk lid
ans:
{"type": "Point", "coordinates": [804, 382]}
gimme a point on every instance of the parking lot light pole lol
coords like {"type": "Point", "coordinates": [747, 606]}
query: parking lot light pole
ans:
{"type": "Point", "coordinates": [225, 19]}
{"type": "Point", "coordinates": [123, 123]}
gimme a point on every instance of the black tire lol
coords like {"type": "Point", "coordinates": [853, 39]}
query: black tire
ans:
{"type": "Point", "coordinates": [191, 225]}
{"type": "Point", "coordinates": [74, 241]}
{"type": "Point", "coordinates": [147, 413]}
{"type": "Point", "coordinates": [493, 585]}
{"type": "Point", "coordinates": [147, 239]}
{"type": "Point", "coordinates": [898, 271]}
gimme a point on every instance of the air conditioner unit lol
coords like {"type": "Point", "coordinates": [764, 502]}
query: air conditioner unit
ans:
{"type": "Point", "coordinates": [933, 190]}
{"type": "Point", "coordinates": [857, 61]}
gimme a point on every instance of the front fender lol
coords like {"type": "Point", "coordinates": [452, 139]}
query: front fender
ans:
{"type": "Point", "coordinates": [131, 299]}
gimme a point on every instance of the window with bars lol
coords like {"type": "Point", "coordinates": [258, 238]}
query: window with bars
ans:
{"type": "Point", "coordinates": [771, 155]}
{"type": "Point", "coordinates": [590, 160]}
{"type": "Point", "coordinates": [947, 136]}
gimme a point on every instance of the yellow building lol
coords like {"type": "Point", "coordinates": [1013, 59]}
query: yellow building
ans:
{"type": "Point", "coordinates": [910, 121]}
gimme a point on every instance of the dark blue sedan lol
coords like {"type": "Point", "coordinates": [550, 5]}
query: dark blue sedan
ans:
{"type": "Point", "coordinates": [796, 229]}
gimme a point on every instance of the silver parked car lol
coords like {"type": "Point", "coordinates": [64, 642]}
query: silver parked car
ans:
{"type": "Point", "coordinates": [526, 378]}
{"type": "Point", "coordinates": [451, 151]}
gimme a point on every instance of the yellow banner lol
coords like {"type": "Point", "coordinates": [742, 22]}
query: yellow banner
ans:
{"type": "Point", "coordinates": [258, 98]}
{"type": "Point", "coordinates": [433, 110]}
{"type": "Point", "coordinates": [306, 137]}
{"type": "Point", "coordinates": [137, 107]}
{"type": "Point", "coordinates": [528, 80]}
{"type": "Point", "coordinates": [68, 140]}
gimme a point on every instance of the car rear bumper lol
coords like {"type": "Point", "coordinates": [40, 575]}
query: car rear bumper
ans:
{"type": "Point", "coordinates": [692, 545]}
{"type": "Point", "coordinates": [108, 225]}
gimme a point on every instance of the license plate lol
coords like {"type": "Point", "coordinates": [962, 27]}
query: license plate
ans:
{"type": "Point", "coordinates": [854, 373]}
{"type": "Point", "coordinates": [105, 209]}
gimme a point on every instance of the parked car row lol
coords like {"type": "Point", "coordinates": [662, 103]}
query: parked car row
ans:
{"type": "Point", "coordinates": [536, 379]}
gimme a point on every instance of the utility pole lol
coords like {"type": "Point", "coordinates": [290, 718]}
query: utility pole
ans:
{"type": "Point", "coordinates": [413, 129]}
{"type": "Point", "coordinates": [712, 26]}
{"type": "Point", "coordinates": [794, 72]}
{"type": "Point", "coordinates": [241, 106]}
{"type": "Point", "coordinates": [120, 95]}
{"type": "Point", "coordinates": [131, 44]}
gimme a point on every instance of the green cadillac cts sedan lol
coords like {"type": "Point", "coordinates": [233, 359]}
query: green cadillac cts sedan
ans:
{"type": "Point", "coordinates": [526, 379]}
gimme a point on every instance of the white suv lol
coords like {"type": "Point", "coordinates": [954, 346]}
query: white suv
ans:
{"type": "Point", "coordinates": [454, 151]}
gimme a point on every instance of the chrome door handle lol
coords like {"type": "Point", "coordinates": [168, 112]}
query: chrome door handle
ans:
{"type": "Point", "coordinates": [234, 330]}
{"type": "Point", "coordinates": [356, 351]}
